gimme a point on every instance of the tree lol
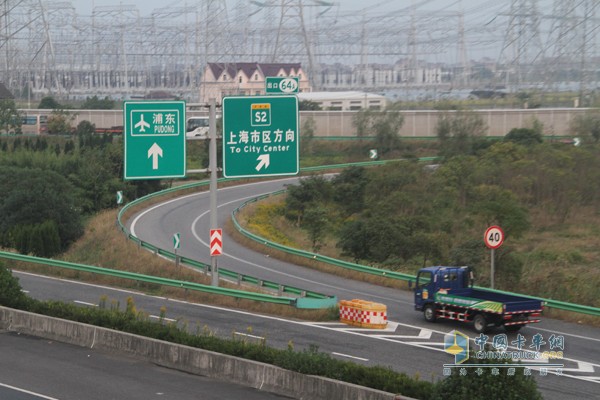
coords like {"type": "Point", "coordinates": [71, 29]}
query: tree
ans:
{"type": "Point", "coordinates": [49, 102]}
{"type": "Point", "coordinates": [302, 196]}
{"type": "Point", "coordinates": [524, 136]}
{"type": "Point", "coordinates": [10, 118]}
{"type": "Point", "coordinates": [363, 123]}
{"type": "Point", "coordinates": [59, 122]}
{"type": "Point", "coordinates": [387, 130]}
{"type": "Point", "coordinates": [587, 125]}
{"type": "Point", "coordinates": [11, 294]}
{"type": "Point", "coordinates": [349, 189]}
{"type": "Point", "coordinates": [315, 222]}
{"type": "Point", "coordinates": [28, 197]}
{"type": "Point", "coordinates": [308, 135]}
{"type": "Point", "coordinates": [459, 133]}
{"type": "Point", "coordinates": [354, 241]}
{"type": "Point", "coordinates": [94, 103]}
{"type": "Point", "coordinates": [85, 128]}
{"type": "Point", "coordinates": [307, 105]}
{"type": "Point", "coordinates": [384, 125]}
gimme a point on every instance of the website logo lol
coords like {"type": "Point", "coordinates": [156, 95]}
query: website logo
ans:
{"type": "Point", "coordinates": [457, 344]}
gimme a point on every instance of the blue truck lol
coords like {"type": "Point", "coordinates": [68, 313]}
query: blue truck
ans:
{"type": "Point", "coordinates": [448, 293]}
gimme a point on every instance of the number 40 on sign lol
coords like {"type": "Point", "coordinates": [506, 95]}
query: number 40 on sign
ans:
{"type": "Point", "coordinates": [493, 237]}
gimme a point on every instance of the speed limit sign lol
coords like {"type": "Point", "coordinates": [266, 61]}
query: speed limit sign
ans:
{"type": "Point", "coordinates": [493, 237]}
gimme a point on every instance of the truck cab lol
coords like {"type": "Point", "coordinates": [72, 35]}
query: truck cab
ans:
{"type": "Point", "coordinates": [432, 279]}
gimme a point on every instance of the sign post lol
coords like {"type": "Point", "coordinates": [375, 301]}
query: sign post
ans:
{"type": "Point", "coordinates": [154, 139]}
{"type": "Point", "coordinates": [260, 136]}
{"type": "Point", "coordinates": [493, 238]}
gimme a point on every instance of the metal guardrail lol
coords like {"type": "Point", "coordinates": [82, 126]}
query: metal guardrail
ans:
{"type": "Point", "coordinates": [307, 299]}
{"type": "Point", "coordinates": [151, 279]}
{"type": "Point", "coordinates": [561, 305]}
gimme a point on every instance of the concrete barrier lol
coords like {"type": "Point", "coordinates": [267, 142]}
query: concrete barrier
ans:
{"type": "Point", "coordinates": [261, 376]}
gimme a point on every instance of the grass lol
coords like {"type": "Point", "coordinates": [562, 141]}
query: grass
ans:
{"type": "Point", "coordinates": [103, 245]}
{"type": "Point", "coordinates": [561, 262]}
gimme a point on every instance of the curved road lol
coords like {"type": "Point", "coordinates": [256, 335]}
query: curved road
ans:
{"type": "Point", "coordinates": [409, 344]}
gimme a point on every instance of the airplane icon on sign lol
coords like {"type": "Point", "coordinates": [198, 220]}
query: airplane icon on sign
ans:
{"type": "Point", "coordinates": [142, 124]}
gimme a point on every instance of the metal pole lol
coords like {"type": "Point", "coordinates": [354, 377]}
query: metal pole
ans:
{"type": "Point", "coordinates": [212, 134]}
{"type": "Point", "coordinates": [492, 272]}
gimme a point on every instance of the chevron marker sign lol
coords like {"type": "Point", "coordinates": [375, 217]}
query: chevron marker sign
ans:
{"type": "Point", "coordinates": [216, 242]}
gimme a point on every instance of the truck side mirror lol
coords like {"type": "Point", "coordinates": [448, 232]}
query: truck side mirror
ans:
{"type": "Point", "coordinates": [410, 284]}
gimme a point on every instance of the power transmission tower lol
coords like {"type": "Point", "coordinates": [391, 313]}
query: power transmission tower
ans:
{"type": "Point", "coordinates": [522, 42]}
{"type": "Point", "coordinates": [295, 38]}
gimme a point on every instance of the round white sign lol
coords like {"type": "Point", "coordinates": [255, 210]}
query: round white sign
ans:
{"type": "Point", "coordinates": [493, 237]}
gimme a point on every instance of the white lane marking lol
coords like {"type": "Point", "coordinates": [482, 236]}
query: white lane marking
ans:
{"type": "Point", "coordinates": [249, 336]}
{"type": "Point", "coordinates": [41, 396]}
{"type": "Point", "coordinates": [348, 356]}
{"type": "Point", "coordinates": [423, 345]}
{"type": "Point", "coordinates": [85, 303]}
{"type": "Point", "coordinates": [275, 271]}
{"type": "Point", "coordinates": [565, 334]}
{"type": "Point", "coordinates": [163, 318]}
{"type": "Point", "coordinates": [423, 334]}
{"type": "Point", "coordinates": [193, 228]}
{"type": "Point", "coordinates": [132, 229]}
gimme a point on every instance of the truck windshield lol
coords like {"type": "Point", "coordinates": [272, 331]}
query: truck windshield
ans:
{"type": "Point", "coordinates": [423, 279]}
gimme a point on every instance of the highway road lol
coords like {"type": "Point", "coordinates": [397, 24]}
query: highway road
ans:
{"type": "Point", "coordinates": [39, 369]}
{"type": "Point", "coordinates": [409, 344]}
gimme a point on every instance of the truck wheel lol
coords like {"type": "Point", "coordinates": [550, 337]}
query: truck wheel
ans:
{"type": "Point", "coordinates": [429, 313]}
{"type": "Point", "coordinates": [512, 328]}
{"type": "Point", "coordinates": [480, 323]}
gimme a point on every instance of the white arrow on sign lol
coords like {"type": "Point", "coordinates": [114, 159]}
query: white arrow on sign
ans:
{"type": "Point", "coordinates": [119, 197]}
{"type": "Point", "coordinates": [264, 161]}
{"type": "Point", "coordinates": [176, 241]}
{"type": "Point", "coordinates": [155, 151]}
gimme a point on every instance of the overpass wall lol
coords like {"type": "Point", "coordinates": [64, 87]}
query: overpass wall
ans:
{"type": "Point", "coordinates": [261, 376]}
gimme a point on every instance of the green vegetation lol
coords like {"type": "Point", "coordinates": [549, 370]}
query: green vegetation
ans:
{"type": "Point", "coordinates": [10, 120]}
{"type": "Point", "coordinates": [403, 216]}
{"type": "Point", "coordinates": [487, 383]}
{"type": "Point", "coordinates": [48, 186]}
{"type": "Point", "coordinates": [94, 103]}
{"type": "Point", "coordinates": [309, 361]}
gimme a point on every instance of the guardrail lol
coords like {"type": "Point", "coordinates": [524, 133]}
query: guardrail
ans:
{"type": "Point", "coordinates": [151, 279]}
{"type": "Point", "coordinates": [307, 299]}
{"type": "Point", "coordinates": [561, 305]}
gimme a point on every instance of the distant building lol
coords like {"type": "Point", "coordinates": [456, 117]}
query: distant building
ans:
{"type": "Point", "coordinates": [345, 101]}
{"type": "Point", "coordinates": [5, 94]}
{"type": "Point", "coordinates": [247, 79]}
{"type": "Point", "coordinates": [378, 76]}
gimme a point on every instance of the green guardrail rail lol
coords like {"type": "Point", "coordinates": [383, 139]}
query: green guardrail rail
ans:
{"type": "Point", "coordinates": [561, 305]}
{"type": "Point", "coordinates": [306, 299]}
{"type": "Point", "coordinates": [152, 279]}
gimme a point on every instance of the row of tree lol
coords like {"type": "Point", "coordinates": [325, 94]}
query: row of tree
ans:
{"type": "Point", "coordinates": [48, 185]}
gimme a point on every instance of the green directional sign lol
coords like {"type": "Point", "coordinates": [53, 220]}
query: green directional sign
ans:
{"type": "Point", "coordinates": [276, 84]}
{"type": "Point", "coordinates": [154, 137]}
{"type": "Point", "coordinates": [260, 136]}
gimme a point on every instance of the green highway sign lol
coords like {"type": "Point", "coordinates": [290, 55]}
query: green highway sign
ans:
{"type": "Point", "coordinates": [154, 139]}
{"type": "Point", "coordinates": [260, 136]}
{"type": "Point", "coordinates": [276, 84]}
